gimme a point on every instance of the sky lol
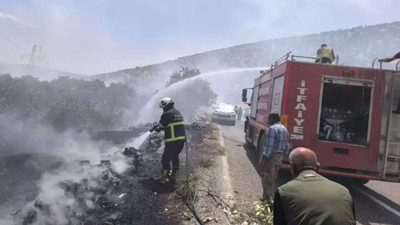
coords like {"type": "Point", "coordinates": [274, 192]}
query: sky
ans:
{"type": "Point", "coordinates": [97, 36]}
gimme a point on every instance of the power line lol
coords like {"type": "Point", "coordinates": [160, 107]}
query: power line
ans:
{"type": "Point", "coordinates": [12, 43]}
{"type": "Point", "coordinates": [15, 26]}
{"type": "Point", "coordinates": [33, 57]}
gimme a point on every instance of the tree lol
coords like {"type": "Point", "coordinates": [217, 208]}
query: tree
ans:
{"type": "Point", "coordinates": [66, 103]}
{"type": "Point", "coordinates": [192, 96]}
{"type": "Point", "coordinates": [182, 74]}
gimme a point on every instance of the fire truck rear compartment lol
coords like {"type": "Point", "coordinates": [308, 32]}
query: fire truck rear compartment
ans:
{"type": "Point", "coordinates": [345, 110]}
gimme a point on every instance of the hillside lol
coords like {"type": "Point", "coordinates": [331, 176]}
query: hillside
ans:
{"type": "Point", "coordinates": [17, 70]}
{"type": "Point", "coordinates": [356, 46]}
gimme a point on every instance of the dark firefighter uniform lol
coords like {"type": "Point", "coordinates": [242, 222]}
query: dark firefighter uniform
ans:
{"type": "Point", "coordinates": [174, 136]}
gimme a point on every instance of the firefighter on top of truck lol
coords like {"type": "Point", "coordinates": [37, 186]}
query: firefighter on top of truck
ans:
{"type": "Point", "coordinates": [325, 54]}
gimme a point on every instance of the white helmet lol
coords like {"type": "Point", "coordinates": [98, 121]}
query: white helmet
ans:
{"type": "Point", "coordinates": [166, 101]}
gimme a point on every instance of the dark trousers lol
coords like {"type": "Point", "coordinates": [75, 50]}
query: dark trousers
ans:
{"type": "Point", "coordinates": [171, 153]}
{"type": "Point", "coordinates": [323, 60]}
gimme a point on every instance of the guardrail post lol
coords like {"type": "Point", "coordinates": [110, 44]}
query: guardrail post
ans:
{"type": "Point", "coordinates": [288, 55]}
{"type": "Point", "coordinates": [373, 63]}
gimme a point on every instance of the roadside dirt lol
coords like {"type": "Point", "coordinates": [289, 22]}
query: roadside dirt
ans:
{"type": "Point", "coordinates": [212, 186]}
{"type": "Point", "coordinates": [227, 185]}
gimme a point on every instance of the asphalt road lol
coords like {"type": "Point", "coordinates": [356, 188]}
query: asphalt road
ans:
{"type": "Point", "coordinates": [376, 203]}
{"type": "Point", "coordinates": [244, 177]}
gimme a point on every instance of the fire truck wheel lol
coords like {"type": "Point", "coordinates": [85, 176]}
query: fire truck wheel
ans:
{"type": "Point", "coordinates": [260, 146]}
{"type": "Point", "coordinates": [248, 144]}
{"type": "Point", "coordinates": [360, 181]}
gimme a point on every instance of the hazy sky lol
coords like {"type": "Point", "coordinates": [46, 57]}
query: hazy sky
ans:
{"type": "Point", "coordinates": [96, 36]}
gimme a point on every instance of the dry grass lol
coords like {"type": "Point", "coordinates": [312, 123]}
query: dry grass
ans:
{"type": "Point", "coordinates": [207, 162]}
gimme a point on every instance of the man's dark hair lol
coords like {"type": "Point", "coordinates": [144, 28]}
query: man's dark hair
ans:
{"type": "Point", "coordinates": [274, 117]}
{"type": "Point", "coordinates": [323, 45]}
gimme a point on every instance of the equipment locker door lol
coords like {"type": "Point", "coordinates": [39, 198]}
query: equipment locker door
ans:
{"type": "Point", "coordinates": [277, 94]}
{"type": "Point", "coordinates": [254, 102]}
{"type": "Point", "coordinates": [391, 159]}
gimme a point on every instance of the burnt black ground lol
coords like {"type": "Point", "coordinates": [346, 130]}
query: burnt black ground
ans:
{"type": "Point", "coordinates": [139, 204]}
{"type": "Point", "coordinates": [18, 175]}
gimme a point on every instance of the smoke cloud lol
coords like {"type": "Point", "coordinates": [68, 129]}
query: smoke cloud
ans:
{"type": "Point", "coordinates": [227, 84]}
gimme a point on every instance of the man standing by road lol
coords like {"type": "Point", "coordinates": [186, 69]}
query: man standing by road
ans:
{"type": "Point", "coordinates": [325, 54]}
{"type": "Point", "coordinates": [311, 199]}
{"type": "Point", "coordinates": [239, 113]}
{"type": "Point", "coordinates": [275, 147]}
{"type": "Point", "coordinates": [174, 136]}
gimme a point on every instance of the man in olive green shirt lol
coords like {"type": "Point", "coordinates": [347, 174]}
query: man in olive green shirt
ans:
{"type": "Point", "coordinates": [311, 199]}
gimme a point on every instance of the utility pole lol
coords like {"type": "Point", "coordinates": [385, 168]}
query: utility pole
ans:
{"type": "Point", "coordinates": [32, 56]}
{"type": "Point", "coordinates": [35, 49]}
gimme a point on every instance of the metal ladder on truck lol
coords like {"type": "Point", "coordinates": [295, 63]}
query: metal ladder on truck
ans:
{"type": "Point", "coordinates": [391, 160]}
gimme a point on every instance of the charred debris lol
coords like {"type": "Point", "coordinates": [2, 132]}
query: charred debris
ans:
{"type": "Point", "coordinates": [101, 198]}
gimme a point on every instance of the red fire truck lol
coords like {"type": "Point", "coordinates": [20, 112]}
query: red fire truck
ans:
{"type": "Point", "coordinates": [343, 113]}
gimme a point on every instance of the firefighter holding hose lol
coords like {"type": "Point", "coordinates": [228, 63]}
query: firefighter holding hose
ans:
{"type": "Point", "coordinates": [172, 124]}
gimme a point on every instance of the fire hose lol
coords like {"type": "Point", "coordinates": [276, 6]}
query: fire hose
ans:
{"type": "Point", "coordinates": [187, 168]}
{"type": "Point", "coordinates": [189, 201]}
{"type": "Point", "coordinates": [155, 125]}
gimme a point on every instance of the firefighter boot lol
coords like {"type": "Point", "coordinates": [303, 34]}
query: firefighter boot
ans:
{"type": "Point", "coordinates": [172, 176]}
{"type": "Point", "coordinates": [164, 176]}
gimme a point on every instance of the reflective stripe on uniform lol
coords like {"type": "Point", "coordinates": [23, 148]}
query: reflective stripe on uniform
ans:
{"type": "Point", "coordinates": [175, 139]}
{"type": "Point", "coordinates": [176, 123]}
{"type": "Point", "coordinates": [172, 127]}
{"type": "Point", "coordinates": [172, 131]}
